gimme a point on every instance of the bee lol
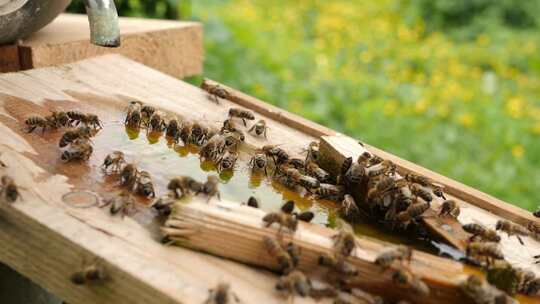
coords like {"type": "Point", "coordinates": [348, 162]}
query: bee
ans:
{"type": "Point", "coordinates": [312, 152]}
{"type": "Point", "coordinates": [76, 117]}
{"type": "Point", "coordinates": [210, 187]}
{"type": "Point", "coordinates": [534, 227]}
{"type": "Point", "coordinates": [133, 106]}
{"type": "Point", "coordinates": [480, 291]}
{"type": "Point", "coordinates": [282, 257]}
{"type": "Point", "coordinates": [331, 192]}
{"type": "Point", "coordinates": [296, 163]}
{"type": "Point", "coordinates": [344, 240]}
{"type": "Point", "coordinates": [71, 135]}
{"type": "Point", "coordinates": [512, 229]}
{"type": "Point", "coordinates": [60, 118]}
{"type": "Point", "coordinates": [531, 287]}
{"type": "Point", "coordinates": [338, 264]}
{"type": "Point", "coordinates": [233, 140]}
{"type": "Point", "coordinates": [213, 148]}
{"type": "Point", "coordinates": [383, 186]}
{"type": "Point", "coordinates": [128, 176]}
{"type": "Point", "coordinates": [258, 162]}
{"type": "Point", "coordinates": [79, 150]}
{"type": "Point", "coordinates": [133, 118]}
{"type": "Point", "coordinates": [450, 208]}
{"type": "Point", "coordinates": [163, 205]}
{"type": "Point", "coordinates": [242, 114]}
{"type": "Point", "coordinates": [259, 128]}
{"type": "Point", "coordinates": [348, 206]}
{"type": "Point", "coordinates": [145, 187]}
{"type": "Point", "coordinates": [376, 170]}
{"type": "Point", "coordinates": [354, 175]}
{"type": "Point", "coordinates": [183, 185]}
{"type": "Point", "coordinates": [123, 204]}
{"type": "Point", "coordinates": [91, 120]}
{"type": "Point", "coordinates": [216, 91]}
{"type": "Point", "coordinates": [294, 252]}
{"type": "Point", "coordinates": [9, 192]}
{"type": "Point", "coordinates": [419, 179]}
{"type": "Point", "coordinates": [115, 159]}
{"type": "Point", "coordinates": [438, 191]}
{"type": "Point", "coordinates": [279, 155]}
{"type": "Point", "coordinates": [222, 294]}
{"type": "Point", "coordinates": [314, 170]}
{"type": "Point", "coordinates": [173, 129]}
{"type": "Point", "coordinates": [34, 122]}
{"type": "Point", "coordinates": [374, 160]}
{"type": "Point", "coordinates": [294, 283]}
{"type": "Point", "coordinates": [488, 249]}
{"type": "Point", "coordinates": [400, 253]}
{"type": "Point", "coordinates": [283, 219]}
{"type": "Point", "coordinates": [482, 232]}
{"type": "Point", "coordinates": [537, 213]}
{"type": "Point", "coordinates": [156, 123]}
{"type": "Point", "coordinates": [413, 211]}
{"type": "Point", "coordinates": [91, 274]}
{"type": "Point", "coordinates": [227, 161]}
{"type": "Point", "coordinates": [525, 280]}
{"type": "Point", "coordinates": [419, 190]}
{"type": "Point", "coordinates": [306, 181]}
{"type": "Point", "coordinates": [345, 166]}
{"type": "Point", "coordinates": [253, 202]}
{"type": "Point", "coordinates": [147, 111]}
{"type": "Point", "coordinates": [185, 131]}
{"type": "Point", "coordinates": [288, 207]}
{"type": "Point", "coordinates": [404, 277]}
{"type": "Point", "coordinates": [197, 136]}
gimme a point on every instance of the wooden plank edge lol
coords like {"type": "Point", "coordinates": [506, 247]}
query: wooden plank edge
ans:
{"type": "Point", "coordinates": [455, 188]}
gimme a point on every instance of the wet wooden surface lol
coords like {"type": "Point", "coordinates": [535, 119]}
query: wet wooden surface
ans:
{"type": "Point", "coordinates": [49, 239]}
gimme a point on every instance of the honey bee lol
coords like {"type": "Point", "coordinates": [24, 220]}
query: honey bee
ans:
{"type": "Point", "coordinates": [128, 176]}
{"type": "Point", "coordinates": [279, 155]}
{"type": "Point", "coordinates": [91, 120]}
{"type": "Point", "coordinates": [34, 122]}
{"type": "Point", "coordinates": [534, 228]}
{"type": "Point", "coordinates": [60, 118]}
{"type": "Point", "coordinates": [222, 294]}
{"type": "Point", "coordinates": [145, 187]}
{"type": "Point", "coordinates": [282, 257]}
{"type": "Point", "coordinates": [288, 207]}
{"type": "Point", "coordinates": [373, 160]}
{"type": "Point", "coordinates": [91, 274]}
{"type": "Point", "coordinates": [487, 249]}
{"type": "Point", "coordinates": [259, 128]}
{"type": "Point", "coordinates": [133, 106]}
{"type": "Point", "coordinates": [163, 205]}
{"type": "Point", "coordinates": [197, 136]}
{"type": "Point", "coordinates": [210, 187]}
{"type": "Point", "coordinates": [324, 292]}
{"type": "Point", "coordinates": [345, 166]}
{"type": "Point", "coordinates": [537, 213]}
{"type": "Point", "coordinates": [512, 229]}
{"type": "Point", "coordinates": [420, 191]}
{"type": "Point", "coordinates": [331, 192]}
{"type": "Point", "coordinates": [296, 163]}
{"type": "Point", "coordinates": [306, 181]}
{"type": "Point", "coordinates": [216, 91]}
{"type": "Point", "coordinates": [312, 152]}
{"type": "Point", "coordinates": [76, 117]}
{"type": "Point", "coordinates": [156, 123]}
{"type": "Point", "coordinates": [242, 114]}
{"type": "Point", "coordinates": [232, 140]}
{"type": "Point", "coordinates": [344, 240]}
{"type": "Point", "coordinates": [480, 291]}
{"type": "Point", "coordinates": [227, 161]}
{"type": "Point", "coordinates": [133, 119]}
{"type": "Point", "coordinates": [419, 179]}
{"type": "Point", "coordinates": [479, 231]}
{"type": "Point", "coordinates": [449, 208]}
{"type": "Point", "coordinates": [147, 111]}
{"type": "Point", "coordinates": [354, 175]}
{"type": "Point", "coordinates": [413, 212]}
{"type": "Point", "coordinates": [258, 162]}
{"type": "Point", "coordinates": [404, 277]}
{"type": "Point", "coordinates": [213, 148]}
{"type": "Point", "coordinates": [294, 283]}
{"type": "Point", "coordinates": [282, 219]}
{"type": "Point", "coordinates": [183, 185]}
{"type": "Point", "coordinates": [114, 159]}
{"type": "Point", "coordinates": [380, 188]}
{"type": "Point", "coordinates": [185, 131]}
{"type": "Point", "coordinates": [71, 135]}
{"type": "Point", "coordinates": [348, 206]}
{"type": "Point", "coordinates": [531, 287]}
{"type": "Point", "coordinates": [253, 202]}
{"type": "Point", "coordinates": [9, 192]}
{"type": "Point", "coordinates": [79, 150]}
{"type": "Point", "coordinates": [123, 204]}
{"type": "Point", "coordinates": [438, 191]}
{"type": "Point", "coordinates": [338, 264]}
{"type": "Point", "coordinates": [314, 170]}
{"type": "Point", "coordinates": [173, 129]}
{"type": "Point", "coordinates": [400, 253]}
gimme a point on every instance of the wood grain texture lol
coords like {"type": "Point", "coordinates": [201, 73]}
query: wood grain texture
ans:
{"type": "Point", "coordinates": [468, 195]}
{"type": "Point", "coordinates": [9, 58]}
{"type": "Point", "coordinates": [172, 47]}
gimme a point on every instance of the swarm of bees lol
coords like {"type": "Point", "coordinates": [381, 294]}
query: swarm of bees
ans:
{"type": "Point", "coordinates": [59, 119]}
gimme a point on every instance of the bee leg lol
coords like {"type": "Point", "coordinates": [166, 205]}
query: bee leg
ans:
{"type": "Point", "coordinates": [520, 240]}
{"type": "Point", "coordinates": [265, 172]}
{"type": "Point", "coordinates": [252, 128]}
{"type": "Point", "coordinates": [244, 121]}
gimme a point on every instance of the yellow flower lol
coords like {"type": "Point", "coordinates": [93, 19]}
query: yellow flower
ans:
{"type": "Point", "coordinates": [466, 119]}
{"type": "Point", "coordinates": [514, 107]}
{"type": "Point", "coordinates": [518, 151]}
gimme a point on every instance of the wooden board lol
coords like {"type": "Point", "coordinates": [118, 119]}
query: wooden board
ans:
{"type": "Point", "coordinates": [172, 47]}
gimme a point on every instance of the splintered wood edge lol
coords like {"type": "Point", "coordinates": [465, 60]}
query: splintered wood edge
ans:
{"type": "Point", "coordinates": [235, 232]}
{"type": "Point", "coordinates": [452, 187]}
{"type": "Point", "coordinates": [334, 150]}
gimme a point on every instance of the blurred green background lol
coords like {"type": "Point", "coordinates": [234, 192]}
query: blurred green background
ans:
{"type": "Point", "coordinates": [450, 84]}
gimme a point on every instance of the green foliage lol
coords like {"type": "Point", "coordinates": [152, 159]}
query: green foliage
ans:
{"type": "Point", "coordinates": [163, 9]}
{"type": "Point", "coordinates": [393, 74]}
